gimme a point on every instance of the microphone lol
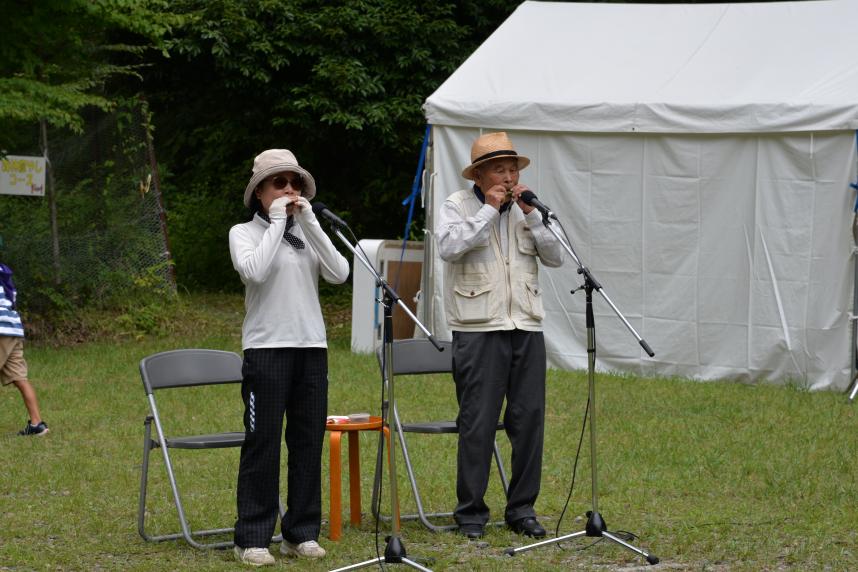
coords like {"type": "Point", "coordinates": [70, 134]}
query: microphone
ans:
{"type": "Point", "coordinates": [530, 199]}
{"type": "Point", "coordinates": [321, 210]}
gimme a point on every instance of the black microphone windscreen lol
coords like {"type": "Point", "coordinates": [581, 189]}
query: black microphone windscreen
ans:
{"type": "Point", "coordinates": [527, 197]}
{"type": "Point", "coordinates": [319, 207]}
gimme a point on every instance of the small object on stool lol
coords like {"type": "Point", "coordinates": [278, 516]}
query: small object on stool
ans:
{"type": "Point", "coordinates": [359, 418]}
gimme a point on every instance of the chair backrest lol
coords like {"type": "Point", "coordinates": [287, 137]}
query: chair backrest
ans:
{"type": "Point", "coordinates": [418, 355]}
{"type": "Point", "coordinates": [186, 368]}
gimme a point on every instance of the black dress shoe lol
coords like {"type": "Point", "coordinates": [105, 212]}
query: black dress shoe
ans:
{"type": "Point", "coordinates": [472, 531]}
{"type": "Point", "coordinates": [528, 526]}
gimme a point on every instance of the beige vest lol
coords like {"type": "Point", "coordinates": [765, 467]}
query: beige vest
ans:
{"type": "Point", "coordinates": [486, 291]}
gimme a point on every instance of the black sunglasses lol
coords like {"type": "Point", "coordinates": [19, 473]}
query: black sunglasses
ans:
{"type": "Point", "coordinates": [280, 182]}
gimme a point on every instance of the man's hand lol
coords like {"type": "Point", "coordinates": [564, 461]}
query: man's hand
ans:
{"type": "Point", "coordinates": [496, 196]}
{"type": "Point", "coordinates": [516, 195]}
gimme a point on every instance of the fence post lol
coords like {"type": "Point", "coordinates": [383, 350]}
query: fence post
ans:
{"type": "Point", "coordinates": [52, 203]}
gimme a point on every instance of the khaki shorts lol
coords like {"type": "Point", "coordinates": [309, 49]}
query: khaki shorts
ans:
{"type": "Point", "coordinates": [13, 367]}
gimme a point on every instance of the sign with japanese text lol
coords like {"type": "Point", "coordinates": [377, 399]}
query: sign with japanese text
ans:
{"type": "Point", "coordinates": [21, 175]}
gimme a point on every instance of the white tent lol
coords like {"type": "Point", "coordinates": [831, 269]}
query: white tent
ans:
{"type": "Point", "coordinates": [700, 158]}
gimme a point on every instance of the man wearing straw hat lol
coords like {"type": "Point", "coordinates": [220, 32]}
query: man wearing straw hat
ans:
{"type": "Point", "coordinates": [490, 241]}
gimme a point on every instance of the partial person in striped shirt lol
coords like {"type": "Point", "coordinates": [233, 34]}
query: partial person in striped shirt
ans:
{"type": "Point", "coordinates": [13, 367]}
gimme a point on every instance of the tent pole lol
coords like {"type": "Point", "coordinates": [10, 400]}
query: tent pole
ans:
{"type": "Point", "coordinates": [853, 388]}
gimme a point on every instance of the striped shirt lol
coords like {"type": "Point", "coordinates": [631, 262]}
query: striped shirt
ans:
{"type": "Point", "coordinates": [10, 320]}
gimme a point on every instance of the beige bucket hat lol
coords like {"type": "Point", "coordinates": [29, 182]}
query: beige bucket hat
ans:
{"type": "Point", "coordinates": [492, 146]}
{"type": "Point", "coordinates": [275, 161]}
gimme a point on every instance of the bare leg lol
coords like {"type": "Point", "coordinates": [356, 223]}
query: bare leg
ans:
{"type": "Point", "coordinates": [30, 401]}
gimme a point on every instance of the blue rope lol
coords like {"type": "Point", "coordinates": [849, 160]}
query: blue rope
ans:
{"type": "Point", "coordinates": [411, 199]}
{"type": "Point", "coordinates": [855, 184]}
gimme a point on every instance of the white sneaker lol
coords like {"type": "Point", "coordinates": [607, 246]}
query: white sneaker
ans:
{"type": "Point", "coordinates": [308, 549]}
{"type": "Point", "coordinates": [253, 556]}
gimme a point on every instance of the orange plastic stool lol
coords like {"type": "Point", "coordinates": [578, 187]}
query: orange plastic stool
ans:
{"type": "Point", "coordinates": [336, 431]}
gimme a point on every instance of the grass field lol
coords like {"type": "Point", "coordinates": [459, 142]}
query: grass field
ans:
{"type": "Point", "coordinates": [709, 476]}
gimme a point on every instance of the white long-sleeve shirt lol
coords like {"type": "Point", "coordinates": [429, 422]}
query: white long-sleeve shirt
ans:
{"type": "Point", "coordinates": [282, 283]}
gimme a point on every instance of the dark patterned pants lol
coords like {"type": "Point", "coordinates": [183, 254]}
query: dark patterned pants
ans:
{"type": "Point", "coordinates": [277, 382]}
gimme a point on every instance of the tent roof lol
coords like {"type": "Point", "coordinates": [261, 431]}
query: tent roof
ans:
{"type": "Point", "coordinates": [670, 68]}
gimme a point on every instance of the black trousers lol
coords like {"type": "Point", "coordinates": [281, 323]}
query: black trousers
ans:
{"type": "Point", "coordinates": [488, 366]}
{"type": "Point", "coordinates": [277, 382]}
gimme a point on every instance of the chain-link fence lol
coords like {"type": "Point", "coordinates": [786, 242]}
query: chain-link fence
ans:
{"type": "Point", "coordinates": [106, 239]}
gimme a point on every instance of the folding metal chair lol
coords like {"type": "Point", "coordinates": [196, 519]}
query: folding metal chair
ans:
{"type": "Point", "coordinates": [416, 357]}
{"type": "Point", "coordinates": [177, 369]}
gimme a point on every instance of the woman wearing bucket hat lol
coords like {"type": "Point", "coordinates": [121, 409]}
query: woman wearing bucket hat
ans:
{"type": "Point", "coordinates": [490, 241]}
{"type": "Point", "coordinates": [280, 255]}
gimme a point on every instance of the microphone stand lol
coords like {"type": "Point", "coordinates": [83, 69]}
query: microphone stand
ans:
{"type": "Point", "coordinates": [394, 552]}
{"type": "Point", "coordinates": [595, 526]}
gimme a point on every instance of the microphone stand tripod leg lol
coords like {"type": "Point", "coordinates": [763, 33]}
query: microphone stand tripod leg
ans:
{"type": "Point", "coordinates": [649, 557]}
{"type": "Point", "coordinates": [394, 551]}
{"type": "Point", "coordinates": [596, 526]}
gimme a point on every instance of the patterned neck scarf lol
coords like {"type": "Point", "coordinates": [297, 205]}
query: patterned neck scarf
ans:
{"type": "Point", "coordinates": [290, 238]}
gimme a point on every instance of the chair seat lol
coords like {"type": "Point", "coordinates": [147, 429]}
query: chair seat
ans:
{"type": "Point", "coordinates": [436, 427]}
{"type": "Point", "coordinates": [212, 441]}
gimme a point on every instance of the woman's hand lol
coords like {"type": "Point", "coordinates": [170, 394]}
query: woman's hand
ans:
{"type": "Point", "coordinates": [278, 208]}
{"type": "Point", "coordinates": [299, 205]}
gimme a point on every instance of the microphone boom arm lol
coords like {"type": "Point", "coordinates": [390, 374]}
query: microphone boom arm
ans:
{"type": "Point", "coordinates": [589, 278]}
{"type": "Point", "coordinates": [391, 293]}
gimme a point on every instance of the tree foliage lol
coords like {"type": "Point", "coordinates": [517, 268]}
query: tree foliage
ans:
{"type": "Point", "coordinates": [56, 55]}
{"type": "Point", "coordinates": [341, 83]}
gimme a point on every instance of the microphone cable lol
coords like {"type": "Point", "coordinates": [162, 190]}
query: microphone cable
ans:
{"type": "Point", "coordinates": [376, 508]}
{"type": "Point", "coordinates": [379, 465]}
{"type": "Point", "coordinates": [574, 467]}
{"type": "Point", "coordinates": [624, 534]}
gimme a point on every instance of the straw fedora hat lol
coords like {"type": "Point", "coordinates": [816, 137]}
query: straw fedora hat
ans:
{"type": "Point", "coordinates": [275, 161]}
{"type": "Point", "coordinates": [492, 146]}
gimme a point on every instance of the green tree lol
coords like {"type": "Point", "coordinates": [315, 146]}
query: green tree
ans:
{"type": "Point", "coordinates": [57, 59]}
{"type": "Point", "coordinates": [341, 83]}
{"type": "Point", "coordinates": [56, 55]}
